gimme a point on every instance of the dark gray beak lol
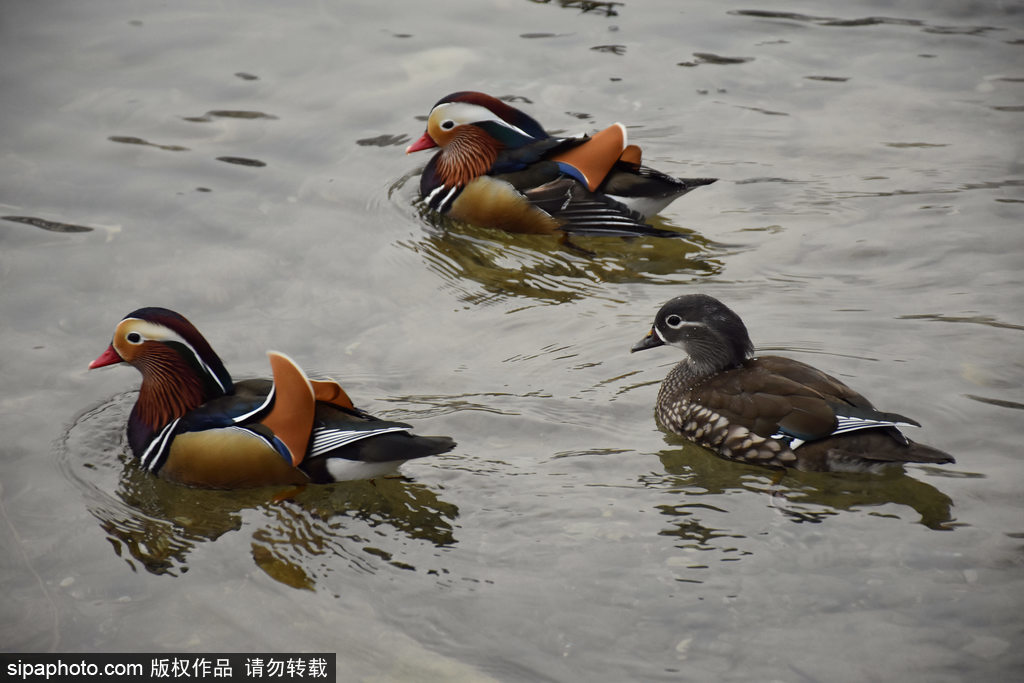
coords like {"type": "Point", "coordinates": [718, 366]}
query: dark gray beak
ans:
{"type": "Point", "coordinates": [648, 342]}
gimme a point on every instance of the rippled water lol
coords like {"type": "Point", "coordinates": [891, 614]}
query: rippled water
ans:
{"type": "Point", "coordinates": [243, 163]}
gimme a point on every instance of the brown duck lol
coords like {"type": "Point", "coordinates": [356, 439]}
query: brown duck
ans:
{"type": "Point", "coordinates": [768, 410]}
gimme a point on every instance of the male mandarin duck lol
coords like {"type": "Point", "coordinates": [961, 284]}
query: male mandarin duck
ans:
{"type": "Point", "coordinates": [192, 424]}
{"type": "Point", "coordinates": [497, 167]}
{"type": "Point", "coordinates": [768, 410]}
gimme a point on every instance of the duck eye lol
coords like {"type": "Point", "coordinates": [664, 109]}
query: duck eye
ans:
{"type": "Point", "coordinates": [447, 124]}
{"type": "Point", "coordinates": [674, 321]}
{"type": "Point", "coordinates": [133, 337]}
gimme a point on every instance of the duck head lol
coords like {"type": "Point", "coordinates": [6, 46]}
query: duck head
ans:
{"type": "Point", "coordinates": [179, 368]}
{"type": "Point", "coordinates": [713, 337]}
{"type": "Point", "coordinates": [471, 128]}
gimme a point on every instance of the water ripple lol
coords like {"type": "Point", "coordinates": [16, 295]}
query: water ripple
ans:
{"type": "Point", "coordinates": [865, 21]}
{"type": "Point", "coordinates": [485, 266]}
{"type": "Point", "coordinates": [128, 140]}
{"type": "Point", "coordinates": [52, 226]}
{"type": "Point", "coordinates": [242, 161]}
{"type": "Point", "coordinates": [712, 58]}
{"type": "Point", "coordinates": [156, 525]}
{"type": "Point", "coordinates": [585, 6]}
{"type": "Point", "coordinates": [228, 114]}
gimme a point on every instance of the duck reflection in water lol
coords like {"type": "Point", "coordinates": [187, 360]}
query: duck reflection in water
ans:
{"type": "Point", "coordinates": [484, 265]}
{"type": "Point", "coordinates": [802, 497]}
{"type": "Point", "coordinates": [155, 524]}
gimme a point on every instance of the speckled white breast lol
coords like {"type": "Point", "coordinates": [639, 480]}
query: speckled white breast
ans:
{"type": "Point", "coordinates": [707, 428]}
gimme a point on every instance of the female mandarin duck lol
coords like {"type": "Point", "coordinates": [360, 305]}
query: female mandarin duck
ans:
{"type": "Point", "coordinates": [192, 424]}
{"type": "Point", "coordinates": [498, 168]}
{"type": "Point", "coordinates": [768, 410]}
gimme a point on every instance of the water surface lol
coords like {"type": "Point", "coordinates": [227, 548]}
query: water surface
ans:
{"type": "Point", "coordinates": [242, 163]}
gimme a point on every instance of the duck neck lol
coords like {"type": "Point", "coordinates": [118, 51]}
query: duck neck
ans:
{"type": "Point", "coordinates": [683, 376]}
{"type": "Point", "coordinates": [688, 373]}
{"type": "Point", "coordinates": [470, 154]}
{"type": "Point", "coordinates": [170, 389]}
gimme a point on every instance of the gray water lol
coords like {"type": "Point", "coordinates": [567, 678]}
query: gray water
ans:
{"type": "Point", "coordinates": [242, 163]}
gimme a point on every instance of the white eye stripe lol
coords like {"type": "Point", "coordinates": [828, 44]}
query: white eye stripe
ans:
{"type": "Point", "coordinates": [144, 330]}
{"type": "Point", "coordinates": [463, 112]}
{"type": "Point", "coordinates": [148, 331]}
{"type": "Point", "coordinates": [677, 323]}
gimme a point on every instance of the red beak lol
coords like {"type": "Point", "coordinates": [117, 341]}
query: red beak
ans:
{"type": "Point", "coordinates": [108, 357]}
{"type": "Point", "coordinates": [425, 142]}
